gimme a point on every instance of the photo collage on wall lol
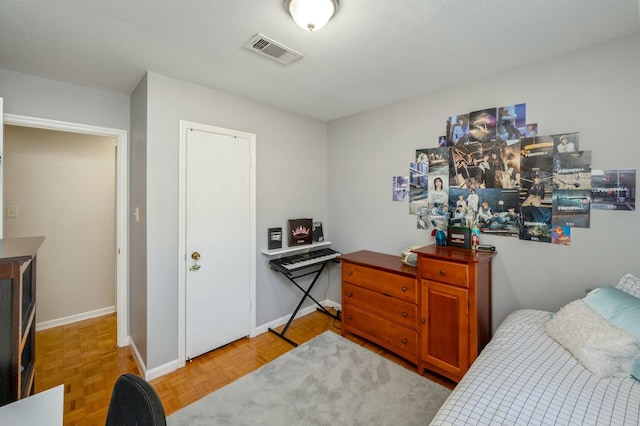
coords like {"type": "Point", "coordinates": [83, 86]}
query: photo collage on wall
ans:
{"type": "Point", "coordinates": [492, 170]}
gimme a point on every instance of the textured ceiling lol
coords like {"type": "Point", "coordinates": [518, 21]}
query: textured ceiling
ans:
{"type": "Point", "coordinates": [372, 53]}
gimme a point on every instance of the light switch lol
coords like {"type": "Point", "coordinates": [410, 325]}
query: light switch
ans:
{"type": "Point", "coordinates": [136, 213]}
{"type": "Point", "coordinates": [12, 211]}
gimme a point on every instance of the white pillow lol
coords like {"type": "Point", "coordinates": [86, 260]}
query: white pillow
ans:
{"type": "Point", "coordinates": [604, 349]}
{"type": "Point", "coordinates": [629, 284]}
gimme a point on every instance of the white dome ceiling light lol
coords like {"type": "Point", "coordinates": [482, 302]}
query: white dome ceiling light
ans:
{"type": "Point", "coordinates": [311, 14]}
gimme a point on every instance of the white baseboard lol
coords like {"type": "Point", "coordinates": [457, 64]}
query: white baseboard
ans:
{"type": "Point", "coordinates": [137, 358]}
{"type": "Point", "coordinates": [160, 371]}
{"type": "Point", "coordinates": [154, 373]}
{"type": "Point", "coordinates": [332, 304]}
{"type": "Point", "coordinates": [44, 325]}
{"type": "Point", "coordinates": [302, 312]}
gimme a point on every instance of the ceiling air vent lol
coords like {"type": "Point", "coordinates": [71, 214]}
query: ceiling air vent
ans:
{"type": "Point", "coordinates": [272, 49]}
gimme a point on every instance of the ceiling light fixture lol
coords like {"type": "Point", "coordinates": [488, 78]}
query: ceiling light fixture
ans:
{"type": "Point", "coordinates": [311, 14]}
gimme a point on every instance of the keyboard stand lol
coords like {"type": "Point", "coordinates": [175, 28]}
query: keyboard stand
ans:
{"type": "Point", "coordinates": [307, 293]}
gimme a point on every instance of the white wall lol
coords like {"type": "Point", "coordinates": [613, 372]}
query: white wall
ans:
{"type": "Point", "coordinates": [55, 100]}
{"type": "Point", "coordinates": [291, 182]}
{"type": "Point", "coordinates": [594, 91]}
{"type": "Point", "coordinates": [138, 228]}
{"type": "Point", "coordinates": [63, 185]}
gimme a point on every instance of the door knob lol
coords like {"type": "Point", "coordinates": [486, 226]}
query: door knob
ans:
{"type": "Point", "coordinates": [195, 256]}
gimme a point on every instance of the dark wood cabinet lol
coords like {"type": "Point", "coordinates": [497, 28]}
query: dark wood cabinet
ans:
{"type": "Point", "coordinates": [380, 301]}
{"type": "Point", "coordinates": [437, 316]}
{"type": "Point", "coordinates": [17, 317]}
{"type": "Point", "coordinates": [455, 308]}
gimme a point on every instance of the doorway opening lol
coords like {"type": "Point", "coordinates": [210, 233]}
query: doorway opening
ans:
{"type": "Point", "coordinates": [121, 204]}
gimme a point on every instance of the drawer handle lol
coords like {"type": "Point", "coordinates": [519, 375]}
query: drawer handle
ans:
{"type": "Point", "coordinates": [423, 321]}
{"type": "Point", "coordinates": [349, 273]}
{"type": "Point", "coordinates": [404, 314]}
{"type": "Point", "coordinates": [349, 294]}
{"type": "Point", "coordinates": [404, 289]}
{"type": "Point", "coordinates": [349, 317]}
{"type": "Point", "coordinates": [404, 341]}
{"type": "Point", "coordinates": [442, 272]}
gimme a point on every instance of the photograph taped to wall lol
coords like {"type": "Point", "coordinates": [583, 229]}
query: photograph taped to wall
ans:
{"type": "Point", "coordinates": [482, 125]}
{"type": "Point", "coordinates": [467, 201]}
{"type": "Point", "coordinates": [501, 214]}
{"type": "Point", "coordinates": [536, 154]}
{"type": "Point", "coordinates": [536, 224]}
{"type": "Point", "coordinates": [531, 130]}
{"type": "Point", "coordinates": [464, 169]}
{"type": "Point", "coordinates": [566, 142]}
{"type": "Point", "coordinates": [400, 188]}
{"type": "Point", "coordinates": [438, 198]}
{"type": "Point", "coordinates": [512, 122]}
{"type": "Point", "coordinates": [422, 217]}
{"type": "Point", "coordinates": [500, 165]}
{"type": "Point", "coordinates": [561, 235]}
{"type": "Point", "coordinates": [572, 208]}
{"type": "Point", "coordinates": [418, 185]}
{"type": "Point", "coordinates": [458, 130]}
{"type": "Point", "coordinates": [536, 188]}
{"type": "Point", "coordinates": [438, 192]}
{"type": "Point", "coordinates": [572, 170]}
{"type": "Point", "coordinates": [459, 206]}
{"type": "Point", "coordinates": [613, 189]}
{"type": "Point", "coordinates": [438, 160]}
{"type": "Point", "coordinates": [511, 155]}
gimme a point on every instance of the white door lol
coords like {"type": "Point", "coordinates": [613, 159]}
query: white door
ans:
{"type": "Point", "coordinates": [218, 240]}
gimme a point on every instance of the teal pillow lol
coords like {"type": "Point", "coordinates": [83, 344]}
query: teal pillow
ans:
{"type": "Point", "coordinates": [617, 306]}
{"type": "Point", "coordinates": [620, 309]}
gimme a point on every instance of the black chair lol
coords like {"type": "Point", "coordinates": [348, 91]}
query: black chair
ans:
{"type": "Point", "coordinates": [134, 402]}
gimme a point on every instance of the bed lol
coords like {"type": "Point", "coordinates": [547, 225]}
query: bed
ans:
{"type": "Point", "coordinates": [524, 376]}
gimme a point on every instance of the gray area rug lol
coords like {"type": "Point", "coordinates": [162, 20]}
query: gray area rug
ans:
{"type": "Point", "coordinates": [328, 380]}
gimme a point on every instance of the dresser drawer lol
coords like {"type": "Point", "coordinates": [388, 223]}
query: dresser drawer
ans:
{"type": "Point", "coordinates": [394, 285]}
{"type": "Point", "coordinates": [385, 307]}
{"type": "Point", "coordinates": [445, 272]}
{"type": "Point", "coordinates": [392, 336]}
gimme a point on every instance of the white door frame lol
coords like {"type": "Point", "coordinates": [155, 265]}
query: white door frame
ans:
{"type": "Point", "coordinates": [122, 205]}
{"type": "Point", "coordinates": [182, 229]}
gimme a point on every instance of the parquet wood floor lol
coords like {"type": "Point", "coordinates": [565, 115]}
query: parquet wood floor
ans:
{"type": "Point", "coordinates": [85, 358]}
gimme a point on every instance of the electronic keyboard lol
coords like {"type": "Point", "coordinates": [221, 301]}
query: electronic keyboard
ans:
{"type": "Point", "coordinates": [296, 262]}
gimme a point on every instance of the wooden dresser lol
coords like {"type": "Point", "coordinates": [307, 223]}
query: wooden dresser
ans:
{"type": "Point", "coordinates": [455, 308]}
{"type": "Point", "coordinates": [380, 301]}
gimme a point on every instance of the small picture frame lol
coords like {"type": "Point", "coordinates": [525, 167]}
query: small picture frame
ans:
{"type": "Point", "coordinates": [275, 238]}
{"type": "Point", "coordinates": [317, 234]}
{"type": "Point", "coordinates": [300, 232]}
{"type": "Point", "coordinates": [458, 236]}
